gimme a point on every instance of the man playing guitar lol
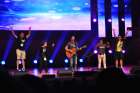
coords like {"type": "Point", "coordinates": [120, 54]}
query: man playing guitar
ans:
{"type": "Point", "coordinates": [72, 44]}
{"type": "Point", "coordinates": [71, 51]}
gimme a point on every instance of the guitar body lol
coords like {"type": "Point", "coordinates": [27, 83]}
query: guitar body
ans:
{"type": "Point", "coordinates": [71, 53]}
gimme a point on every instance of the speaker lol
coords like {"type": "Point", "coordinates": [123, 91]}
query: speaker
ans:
{"type": "Point", "coordinates": [85, 74]}
{"type": "Point", "coordinates": [48, 76]}
{"type": "Point", "coordinates": [65, 73]}
{"type": "Point", "coordinates": [135, 70]}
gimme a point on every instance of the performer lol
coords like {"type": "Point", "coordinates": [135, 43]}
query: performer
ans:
{"type": "Point", "coordinates": [20, 48]}
{"type": "Point", "coordinates": [118, 50]}
{"type": "Point", "coordinates": [44, 55]}
{"type": "Point", "coordinates": [72, 55]}
{"type": "Point", "coordinates": [101, 46]}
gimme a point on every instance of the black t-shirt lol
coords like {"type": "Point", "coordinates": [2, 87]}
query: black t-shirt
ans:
{"type": "Point", "coordinates": [20, 43]}
{"type": "Point", "coordinates": [101, 48]}
{"type": "Point", "coordinates": [44, 51]}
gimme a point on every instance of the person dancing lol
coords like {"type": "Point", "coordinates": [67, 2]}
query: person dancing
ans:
{"type": "Point", "coordinates": [118, 50]}
{"type": "Point", "coordinates": [101, 47]}
{"type": "Point", "coordinates": [20, 48]}
{"type": "Point", "coordinates": [44, 55]}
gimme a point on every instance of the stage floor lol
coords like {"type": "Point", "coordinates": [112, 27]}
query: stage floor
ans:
{"type": "Point", "coordinates": [54, 71]}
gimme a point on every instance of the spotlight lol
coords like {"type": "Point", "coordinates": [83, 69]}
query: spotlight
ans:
{"type": "Point", "coordinates": [66, 61]}
{"type": "Point", "coordinates": [123, 51]}
{"type": "Point", "coordinates": [3, 62]}
{"type": "Point", "coordinates": [35, 62]}
{"type": "Point", "coordinates": [110, 51]}
{"type": "Point", "coordinates": [50, 61]}
{"type": "Point", "coordinates": [94, 20]}
{"type": "Point", "coordinates": [81, 60]}
{"type": "Point", "coordinates": [45, 59]}
{"type": "Point", "coordinates": [95, 51]}
{"type": "Point", "coordinates": [123, 19]}
{"type": "Point", "coordinates": [109, 20]}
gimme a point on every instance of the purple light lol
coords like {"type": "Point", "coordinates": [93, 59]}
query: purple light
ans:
{"type": "Point", "coordinates": [94, 20]}
{"type": "Point", "coordinates": [110, 51]}
{"type": "Point", "coordinates": [123, 19]}
{"type": "Point", "coordinates": [109, 20]}
{"type": "Point", "coordinates": [123, 51]}
{"type": "Point", "coordinates": [95, 51]}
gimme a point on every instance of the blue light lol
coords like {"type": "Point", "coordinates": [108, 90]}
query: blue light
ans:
{"type": "Point", "coordinates": [3, 62]}
{"type": "Point", "coordinates": [50, 61]}
{"type": "Point", "coordinates": [66, 61]}
{"type": "Point", "coordinates": [81, 60]}
{"type": "Point", "coordinates": [35, 61]}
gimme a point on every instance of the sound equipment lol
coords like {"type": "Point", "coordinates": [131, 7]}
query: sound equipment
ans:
{"type": "Point", "coordinates": [86, 74]}
{"type": "Point", "coordinates": [48, 76]}
{"type": "Point", "coordinates": [65, 73]}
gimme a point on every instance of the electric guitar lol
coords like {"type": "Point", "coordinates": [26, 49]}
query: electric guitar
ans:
{"type": "Point", "coordinates": [72, 51]}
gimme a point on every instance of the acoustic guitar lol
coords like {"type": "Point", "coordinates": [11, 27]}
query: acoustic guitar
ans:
{"type": "Point", "coordinates": [72, 51]}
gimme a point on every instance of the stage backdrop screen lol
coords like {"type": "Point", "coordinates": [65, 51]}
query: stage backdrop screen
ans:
{"type": "Point", "coordinates": [45, 14]}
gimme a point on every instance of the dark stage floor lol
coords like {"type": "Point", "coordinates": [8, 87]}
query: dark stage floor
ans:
{"type": "Point", "coordinates": [56, 71]}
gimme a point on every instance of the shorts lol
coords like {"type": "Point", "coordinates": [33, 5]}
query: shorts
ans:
{"type": "Point", "coordinates": [118, 55]}
{"type": "Point", "coordinates": [21, 54]}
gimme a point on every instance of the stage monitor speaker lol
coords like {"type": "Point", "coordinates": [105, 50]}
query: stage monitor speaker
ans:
{"type": "Point", "coordinates": [86, 74]}
{"type": "Point", "coordinates": [65, 73]}
{"type": "Point", "coordinates": [135, 70]}
{"type": "Point", "coordinates": [19, 73]}
{"type": "Point", "coordinates": [48, 76]}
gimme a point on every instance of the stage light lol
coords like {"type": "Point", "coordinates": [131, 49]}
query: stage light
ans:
{"type": "Point", "coordinates": [110, 51]}
{"type": "Point", "coordinates": [123, 19]}
{"type": "Point", "coordinates": [109, 20]}
{"type": "Point", "coordinates": [35, 62]}
{"type": "Point", "coordinates": [123, 51]}
{"type": "Point", "coordinates": [50, 61]}
{"type": "Point", "coordinates": [66, 61]}
{"type": "Point", "coordinates": [3, 62]}
{"type": "Point", "coordinates": [81, 60]}
{"type": "Point", "coordinates": [95, 51]}
{"type": "Point", "coordinates": [45, 59]}
{"type": "Point", "coordinates": [94, 20]}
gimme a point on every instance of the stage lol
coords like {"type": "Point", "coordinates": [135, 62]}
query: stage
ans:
{"type": "Point", "coordinates": [65, 72]}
